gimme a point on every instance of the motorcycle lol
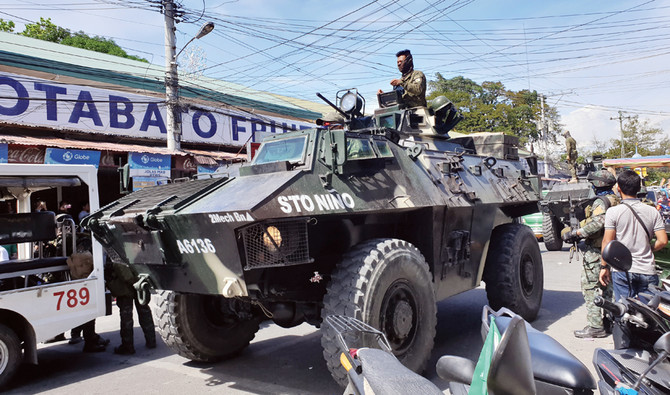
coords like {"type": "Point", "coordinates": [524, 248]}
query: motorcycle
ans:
{"type": "Point", "coordinates": [371, 367]}
{"type": "Point", "coordinates": [525, 360]}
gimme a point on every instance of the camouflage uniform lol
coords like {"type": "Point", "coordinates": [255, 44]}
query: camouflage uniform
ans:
{"type": "Point", "coordinates": [414, 84]}
{"type": "Point", "coordinates": [592, 228]}
{"type": "Point", "coordinates": [120, 281]}
{"type": "Point", "coordinates": [571, 149]}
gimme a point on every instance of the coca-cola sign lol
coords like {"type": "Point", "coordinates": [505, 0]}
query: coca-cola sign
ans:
{"type": "Point", "coordinates": [185, 163]}
{"type": "Point", "coordinates": [25, 154]}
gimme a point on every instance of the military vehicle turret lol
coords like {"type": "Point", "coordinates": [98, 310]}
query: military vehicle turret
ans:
{"type": "Point", "coordinates": [377, 217]}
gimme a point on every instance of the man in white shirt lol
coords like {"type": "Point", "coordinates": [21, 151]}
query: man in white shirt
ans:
{"type": "Point", "coordinates": [633, 223]}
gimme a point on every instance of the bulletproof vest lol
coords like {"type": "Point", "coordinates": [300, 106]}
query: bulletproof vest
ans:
{"type": "Point", "coordinates": [595, 240]}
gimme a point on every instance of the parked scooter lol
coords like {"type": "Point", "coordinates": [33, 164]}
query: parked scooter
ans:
{"type": "Point", "coordinates": [642, 368]}
{"type": "Point", "coordinates": [525, 361]}
{"type": "Point", "coordinates": [371, 367]}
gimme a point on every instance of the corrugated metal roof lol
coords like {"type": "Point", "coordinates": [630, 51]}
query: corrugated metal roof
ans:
{"type": "Point", "coordinates": [28, 53]}
{"type": "Point", "coordinates": [56, 142]}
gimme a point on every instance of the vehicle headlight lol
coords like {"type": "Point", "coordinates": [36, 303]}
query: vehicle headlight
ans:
{"type": "Point", "coordinates": [272, 238]}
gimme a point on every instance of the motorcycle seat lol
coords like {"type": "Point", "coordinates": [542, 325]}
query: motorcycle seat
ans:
{"type": "Point", "coordinates": [552, 363]}
{"type": "Point", "coordinates": [386, 375]}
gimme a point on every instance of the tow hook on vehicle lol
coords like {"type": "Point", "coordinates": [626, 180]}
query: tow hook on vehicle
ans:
{"type": "Point", "coordinates": [231, 287]}
{"type": "Point", "coordinates": [143, 287]}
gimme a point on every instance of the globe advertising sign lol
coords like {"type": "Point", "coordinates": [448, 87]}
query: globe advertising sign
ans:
{"type": "Point", "coordinates": [44, 103]}
{"type": "Point", "coordinates": [71, 157]}
{"type": "Point", "coordinates": [148, 169]}
{"type": "Point", "coordinates": [149, 165]}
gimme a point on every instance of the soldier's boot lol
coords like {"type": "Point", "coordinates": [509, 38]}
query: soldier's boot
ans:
{"type": "Point", "coordinates": [590, 332]}
{"type": "Point", "coordinates": [124, 349]}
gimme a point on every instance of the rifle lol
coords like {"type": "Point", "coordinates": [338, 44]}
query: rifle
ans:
{"type": "Point", "coordinates": [574, 225]}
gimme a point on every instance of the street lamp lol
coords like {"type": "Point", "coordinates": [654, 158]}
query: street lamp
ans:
{"type": "Point", "coordinates": [173, 115]}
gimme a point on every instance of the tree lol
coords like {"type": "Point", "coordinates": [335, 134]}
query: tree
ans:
{"type": "Point", "coordinates": [45, 30]}
{"type": "Point", "coordinates": [640, 136]}
{"type": "Point", "coordinates": [6, 26]}
{"type": "Point", "coordinates": [97, 44]}
{"type": "Point", "coordinates": [48, 31]}
{"type": "Point", "coordinates": [490, 107]}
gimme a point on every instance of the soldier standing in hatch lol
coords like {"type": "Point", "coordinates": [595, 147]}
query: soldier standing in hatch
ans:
{"type": "Point", "coordinates": [412, 84]}
{"type": "Point", "coordinates": [592, 230]}
{"type": "Point", "coordinates": [571, 155]}
{"type": "Point", "coordinates": [120, 279]}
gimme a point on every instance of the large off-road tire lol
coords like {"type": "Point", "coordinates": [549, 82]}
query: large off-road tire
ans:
{"type": "Point", "coordinates": [551, 232]}
{"type": "Point", "coordinates": [195, 327]}
{"type": "Point", "coordinates": [513, 273]}
{"type": "Point", "coordinates": [10, 354]}
{"type": "Point", "coordinates": [387, 284]}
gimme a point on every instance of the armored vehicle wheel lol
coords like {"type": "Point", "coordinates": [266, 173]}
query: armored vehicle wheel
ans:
{"type": "Point", "coordinates": [387, 284]}
{"type": "Point", "coordinates": [10, 354]}
{"type": "Point", "coordinates": [551, 232]}
{"type": "Point", "coordinates": [513, 272]}
{"type": "Point", "coordinates": [197, 327]}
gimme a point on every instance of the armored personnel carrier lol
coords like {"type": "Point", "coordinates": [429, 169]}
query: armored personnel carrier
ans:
{"type": "Point", "coordinates": [376, 217]}
{"type": "Point", "coordinates": [564, 199]}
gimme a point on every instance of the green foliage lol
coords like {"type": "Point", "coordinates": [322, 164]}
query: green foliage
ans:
{"type": "Point", "coordinates": [638, 133]}
{"type": "Point", "coordinates": [6, 26]}
{"type": "Point", "coordinates": [490, 107]}
{"type": "Point", "coordinates": [48, 31]}
{"type": "Point", "coordinates": [45, 30]}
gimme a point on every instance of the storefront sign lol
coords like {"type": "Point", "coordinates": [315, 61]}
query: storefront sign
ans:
{"type": "Point", "coordinates": [149, 165]}
{"type": "Point", "coordinates": [37, 102]}
{"type": "Point", "coordinates": [186, 163]}
{"type": "Point", "coordinates": [3, 153]}
{"type": "Point", "coordinates": [25, 154]}
{"type": "Point", "coordinates": [143, 182]}
{"type": "Point", "coordinates": [71, 157]}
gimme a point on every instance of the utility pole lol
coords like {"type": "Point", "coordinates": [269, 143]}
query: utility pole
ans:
{"type": "Point", "coordinates": [546, 141]}
{"type": "Point", "coordinates": [172, 123]}
{"type": "Point", "coordinates": [621, 118]}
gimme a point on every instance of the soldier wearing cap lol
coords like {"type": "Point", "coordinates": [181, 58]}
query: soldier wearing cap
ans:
{"type": "Point", "coordinates": [591, 230]}
{"type": "Point", "coordinates": [331, 120]}
{"type": "Point", "coordinates": [412, 84]}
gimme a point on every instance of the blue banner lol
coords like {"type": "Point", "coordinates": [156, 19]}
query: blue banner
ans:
{"type": "Point", "coordinates": [71, 157]}
{"type": "Point", "coordinates": [4, 153]}
{"type": "Point", "coordinates": [149, 165]}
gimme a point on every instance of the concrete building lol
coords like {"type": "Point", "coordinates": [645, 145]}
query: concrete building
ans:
{"type": "Point", "coordinates": [61, 104]}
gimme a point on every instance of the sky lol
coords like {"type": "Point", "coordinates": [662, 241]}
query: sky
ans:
{"type": "Point", "coordinates": [591, 59]}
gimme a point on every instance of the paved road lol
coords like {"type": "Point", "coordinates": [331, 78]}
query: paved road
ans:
{"type": "Point", "coordinates": [289, 361]}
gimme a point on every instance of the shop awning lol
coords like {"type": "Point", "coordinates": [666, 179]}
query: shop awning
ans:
{"type": "Point", "coordinates": [204, 157]}
{"type": "Point", "coordinates": [643, 161]}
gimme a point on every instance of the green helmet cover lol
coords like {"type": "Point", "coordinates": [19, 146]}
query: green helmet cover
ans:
{"type": "Point", "coordinates": [601, 178]}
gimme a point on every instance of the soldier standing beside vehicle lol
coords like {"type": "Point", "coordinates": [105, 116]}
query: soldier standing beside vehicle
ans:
{"type": "Point", "coordinates": [120, 279]}
{"type": "Point", "coordinates": [592, 230]}
{"type": "Point", "coordinates": [571, 155]}
{"type": "Point", "coordinates": [412, 84]}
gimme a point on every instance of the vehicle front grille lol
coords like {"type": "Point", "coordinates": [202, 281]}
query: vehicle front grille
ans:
{"type": "Point", "coordinates": [276, 243]}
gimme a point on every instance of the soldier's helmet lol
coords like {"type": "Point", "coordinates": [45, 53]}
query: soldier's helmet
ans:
{"type": "Point", "coordinates": [601, 178]}
{"type": "Point", "coordinates": [439, 103]}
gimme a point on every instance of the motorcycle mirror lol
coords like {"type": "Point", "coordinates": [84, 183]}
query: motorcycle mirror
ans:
{"type": "Point", "coordinates": [618, 256]}
{"type": "Point", "coordinates": [663, 343]}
